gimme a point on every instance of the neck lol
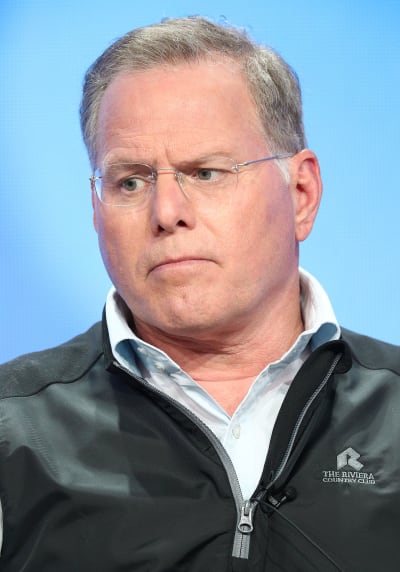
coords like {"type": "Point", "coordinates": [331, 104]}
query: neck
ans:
{"type": "Point", "coordinates": [225, 363]}
{"type": "Point", "coordinates": [208, 357]}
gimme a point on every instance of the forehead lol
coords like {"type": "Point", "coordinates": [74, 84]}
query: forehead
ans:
{"type": "Point", "coordinates": [180, 108]}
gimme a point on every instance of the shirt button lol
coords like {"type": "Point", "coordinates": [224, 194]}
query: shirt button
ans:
{"type": "Point", "coordinates": [236, 431]}
{"type": "Point", "coordinates": [160, 366]}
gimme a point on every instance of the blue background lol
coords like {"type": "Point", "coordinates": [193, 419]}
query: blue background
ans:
{"type": "Point", "coordinates": [347, 54]}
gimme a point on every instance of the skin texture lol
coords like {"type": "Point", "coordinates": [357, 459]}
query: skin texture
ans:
{"type": "Point", "coordinates": [213, 282]}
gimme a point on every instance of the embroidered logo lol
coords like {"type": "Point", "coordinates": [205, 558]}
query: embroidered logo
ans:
{"type": "Point", "coordinates": [349, 457]}
{"type": "Point", "coordinates": [348, 470]}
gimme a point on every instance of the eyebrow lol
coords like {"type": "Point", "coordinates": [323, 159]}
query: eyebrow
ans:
{"type": "Point", "coordinates": [120, 160]}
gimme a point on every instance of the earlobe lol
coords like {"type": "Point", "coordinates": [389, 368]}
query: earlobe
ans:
{"type": "Point", "coordinates": [307, 191]}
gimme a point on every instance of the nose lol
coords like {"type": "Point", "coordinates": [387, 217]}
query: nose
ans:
{"type": "Point", "coordinates": [171, 208]}
{"type": "Point", "coordinates": [171, 171]}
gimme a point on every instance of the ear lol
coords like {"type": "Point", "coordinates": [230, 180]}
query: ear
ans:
{"type": "Point", "coordinates": [94, 199]}
{"type": "Point", "coordinates": [306, 190]}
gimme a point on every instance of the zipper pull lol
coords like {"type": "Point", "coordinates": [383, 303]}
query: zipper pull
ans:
{"type": "Point", "coordinates": [245, 525]}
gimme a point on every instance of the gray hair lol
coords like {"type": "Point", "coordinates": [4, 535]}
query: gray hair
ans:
{"type": "Point", "coordinates": [273, 85]}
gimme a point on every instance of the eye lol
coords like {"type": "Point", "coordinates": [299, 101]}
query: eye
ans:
{"type": "Point", "coordinates": [208, 175]}
{"type": "Point", "coordinates": [205, 174]}
{"type": "Point", "coordinates": [135, 184]}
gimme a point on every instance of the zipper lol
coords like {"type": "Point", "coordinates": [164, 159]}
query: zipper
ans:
{"type": "Point", "coordinates": [245, 525]}
{"type": "Point", "coordinates": [245, 509]}
{"type": "Point", "coordinates": [241, 542]}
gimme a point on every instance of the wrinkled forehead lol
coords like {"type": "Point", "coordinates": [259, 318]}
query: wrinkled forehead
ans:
{"type": "Point", "coordinates": [178, 106]}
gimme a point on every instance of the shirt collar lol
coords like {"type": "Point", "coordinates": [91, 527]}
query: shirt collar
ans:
{"type": "Point", "coordinates": [320, 323]}
{"type": "Point", "coordinates": [320, 326]}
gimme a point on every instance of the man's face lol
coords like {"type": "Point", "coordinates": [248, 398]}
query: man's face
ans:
{"type": "Point", "coordinates": [190, 266]}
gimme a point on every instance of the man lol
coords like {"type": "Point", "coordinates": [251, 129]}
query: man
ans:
{"type": "Point", "coordinates": [219, 418]}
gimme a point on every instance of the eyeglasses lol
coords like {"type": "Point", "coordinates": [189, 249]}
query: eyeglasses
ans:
{"type": "Point", "coordinates": [131, 184]}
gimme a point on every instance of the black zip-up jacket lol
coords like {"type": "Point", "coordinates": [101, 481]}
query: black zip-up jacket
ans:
{"type": "Point", "coordinates": [100, 472]}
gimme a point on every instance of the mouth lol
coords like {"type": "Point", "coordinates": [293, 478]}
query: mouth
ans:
{"type": "Point", "coordinates": [178, 263]}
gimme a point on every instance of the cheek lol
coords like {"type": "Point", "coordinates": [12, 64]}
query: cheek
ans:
{"type": "Point", "coordinates": [117, 244]}
{"type": "Point", "coordinates": [263, 229]}
{"type": "Point", "coordinates": [265, 216]}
